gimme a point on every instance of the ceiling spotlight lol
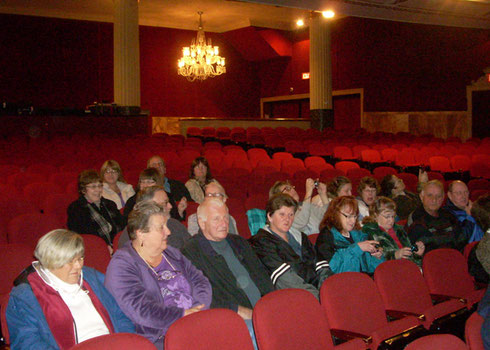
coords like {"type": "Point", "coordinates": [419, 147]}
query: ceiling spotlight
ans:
{"type": "Point", "coordinates": [328, 14]}
{"type": "Point", "coordinates": [300, 22]}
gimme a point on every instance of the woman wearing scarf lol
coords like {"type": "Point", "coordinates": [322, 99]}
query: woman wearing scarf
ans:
{"type": "Point", "coordinates": [93, 214]}
{"type": "Point", "coordinates": [57, 302]}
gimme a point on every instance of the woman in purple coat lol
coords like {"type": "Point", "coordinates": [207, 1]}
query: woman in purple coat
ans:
{"type": "Point", "coordinates": [153, 283]}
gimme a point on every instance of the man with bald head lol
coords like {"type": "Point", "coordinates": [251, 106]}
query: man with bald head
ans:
{"type": "Point", "coordinates": [459, 205]}
{"type": "Point", "coordinates": [237, 276]}
{"type": "Point", "coordinates": [436, 227]}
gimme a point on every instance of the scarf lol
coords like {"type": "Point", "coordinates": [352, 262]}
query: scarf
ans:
{"type": "Point", "coordinates": [105, 226]}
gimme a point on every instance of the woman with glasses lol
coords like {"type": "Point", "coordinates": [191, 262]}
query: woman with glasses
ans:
{"type": "Point", "coordinates": [341, 244]}
{"type": "Point", "coordinates": [57, 302]}
{"type": "Point", "coordinates": [115, 187]}
{"type": "Point", "coordinates": [93, 214]}
{"type": "Point", "coordinates": [380, 226]}
{"type": "Point", "coordinates": [153, 283]}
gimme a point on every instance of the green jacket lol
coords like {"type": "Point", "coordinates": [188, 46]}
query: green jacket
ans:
{"type": "Point", "coordinates": [387, 243]}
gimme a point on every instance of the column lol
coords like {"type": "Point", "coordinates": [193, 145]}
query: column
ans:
{"type": "Point", "coordinates": [126, 53]}
{"type": "Point", "coordinates": [321, 107]}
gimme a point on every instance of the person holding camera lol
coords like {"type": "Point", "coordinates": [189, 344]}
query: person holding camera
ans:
{"type": "Point", "coordinates": [341, 244]}
{"type": "Point", "coordinates": [393, 240]}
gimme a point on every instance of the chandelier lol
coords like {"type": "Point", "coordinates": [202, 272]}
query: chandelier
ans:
{"type": "Point", "coordinates": [201, 61]}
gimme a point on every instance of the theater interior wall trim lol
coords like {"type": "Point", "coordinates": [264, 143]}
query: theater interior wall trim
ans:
{"type": "Point", "coordinates": [402, 67]}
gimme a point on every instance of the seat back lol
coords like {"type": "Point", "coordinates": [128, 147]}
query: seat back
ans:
{"type": "Point", "coordinates": [402, 286]}
{"type": "Point", "coordinates": [28, 228]}
{"type": "Point", "coordinates": [97, 254]}
{"type": "Point", "coordinates": [119, 341]}
{"type": "Point", "coordinates": [472, 332]}
{"type": "Point", "coordinates": [446, 273]}
{"type": "Point", "coordinates": [213, 329]}
{"type": "Point", "coordinates": [437, 341]}
{"type": "Point", "coordinates": [13, 258]}
{"type": "Point", "coordinates": [302, 324]}
{"type": "Point", "coordinates": [352, 303]}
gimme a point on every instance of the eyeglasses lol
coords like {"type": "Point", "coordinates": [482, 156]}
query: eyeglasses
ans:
{"type": "Point", "coordinates": [93, 187]}
{"type": "Point", "coordinates": [348, 217]}
{"type": "Point", "coordinates": [157, 165]}
{"type": "Point", "coordinates": [215, 195]}
{"type": "Point", "coordinates": [77, 260]}
{"type": "Point", "coordinates": [111, 171]}
{"type": "Point", "coordinates": [288, 188]}
{"type": "Point", "coordinates": [389, 217]}
{"type": "Point", "coordinates": [147, 182]}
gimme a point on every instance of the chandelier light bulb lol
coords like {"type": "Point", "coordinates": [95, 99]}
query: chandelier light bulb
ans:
{"type": "Point", "coordinates": [300, 22]}
{"type": "Point", "coordinates": [328, 14]}
{"type": "Point", "coordinates": [202, 60]}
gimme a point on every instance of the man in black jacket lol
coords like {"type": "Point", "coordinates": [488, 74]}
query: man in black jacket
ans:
{"type": "Point", "coordinates": [174, 188]}
{"type": "Point", "coordinates": [236, 274]}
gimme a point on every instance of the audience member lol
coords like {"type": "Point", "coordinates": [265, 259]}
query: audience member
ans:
{"type": "Point", "coordinates": [342, 244]}
{"type": "Point", "coordinates": [308, 216]}
{"type": "Point", "coordinates": [93, 214]}
{"type": "Point", "coordinates": [154, 284]}
{"type": "Point", "coordinates": [380, 226]}
{"type": "Point", "coordinates": [436, 227]}
{"type": "Point", "coordinates": [178, 232]}
{"type": "Point", "coordinates": [151, 177]}
{"type": "Point", "coordinates": [479, 257]}
{"type": "Point", "coordinates": [175, 189]}
{"type": "Point", "coordinates": [290, 262]}
{"type": "Point", "coordinates": [459, 204]}
{"type": "Point", "coordinates": [115, 187]}
{"type": "Point", "coordinates": [406, 202]}
{"type": "Point", "coordinates": [367, 189]}
{"type": "Point", "coordinates": [236, 274]}
{"type": "Point", "coordinates": [199, 177]}
{"type": "Point", "coordinates": [213, 189]}
{"type": "Point", "coordinates": [57, 302]}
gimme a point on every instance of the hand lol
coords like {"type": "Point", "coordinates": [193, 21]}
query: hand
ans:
{"type": "Point", "coordinates": [110, 250]}
{"type": "Point", "coordinates": [310, 186]}
{"type": "Point", "coordinates": [423, 177]}
{"type": "Point", "coordinates": [468, 207]}
{"type": "Point", "coordinates": [368, 246]}
{"type": "Point", "coordinates": [421, 247]}
{"type": "Point", "coordinates": [322, 188]}
{"type": "Point", "coordinates": [403, 253]}
{"type": "Point", "coordinates": [193, 309]}
{"type": "Point", "coordinates": [378, 254]}
{"type": "Point", "coordinates": [182, 206]}
{"type": "Point", "coordinates": [244, 312]}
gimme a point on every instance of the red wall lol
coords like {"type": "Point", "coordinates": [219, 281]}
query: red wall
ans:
{"type": "Point", "coordinates": [402, 67]}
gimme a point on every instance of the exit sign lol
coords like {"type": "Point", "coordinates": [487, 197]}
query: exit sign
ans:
{"type": "Point", "coordinates": [306, 76]}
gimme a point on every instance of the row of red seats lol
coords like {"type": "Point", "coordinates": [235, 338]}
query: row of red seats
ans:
{"type": "Point", "coordinates": [352, 304]}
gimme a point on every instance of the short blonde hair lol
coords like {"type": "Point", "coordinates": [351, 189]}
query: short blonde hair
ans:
{"type": "Point", "coordinates": [59, 247]}
{"type": "Point", "coordinates": [112, 164]}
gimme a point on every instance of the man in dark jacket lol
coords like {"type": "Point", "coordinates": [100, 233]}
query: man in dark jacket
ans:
{"type": "Point", "coordinates": [436, 227]}
{"type": "Point", "coordinates": [459, 204]}
{"type": "Point", "coordinates": [237, 276]}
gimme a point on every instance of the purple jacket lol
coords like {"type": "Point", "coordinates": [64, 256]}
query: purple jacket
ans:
{"type": "Point", "coordinates": [136, 290]}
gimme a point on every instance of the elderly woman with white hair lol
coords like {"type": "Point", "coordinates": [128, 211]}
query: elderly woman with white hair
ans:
{"type": "Point", "coordinates": [57, 302]}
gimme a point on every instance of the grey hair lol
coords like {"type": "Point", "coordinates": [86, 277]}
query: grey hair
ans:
{"type": "Point", "coordinates": [59, 247]}
{"type": "Point", "coordinates": [148, 193]}
{"type": "Point", "coordinates": [217, 184]}
{"type": "Point", "coordinates": [139, 218]}
{"type": "Point", "coordinates": [436, 183]}
{"type": "Point", "coordinates": [208, 201]}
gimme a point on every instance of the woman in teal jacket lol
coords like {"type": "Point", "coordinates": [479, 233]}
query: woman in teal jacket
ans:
{"type": "Point", "coordinates": [394, 241]}
{"type": "Point", "coordinates": [341, 244]}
